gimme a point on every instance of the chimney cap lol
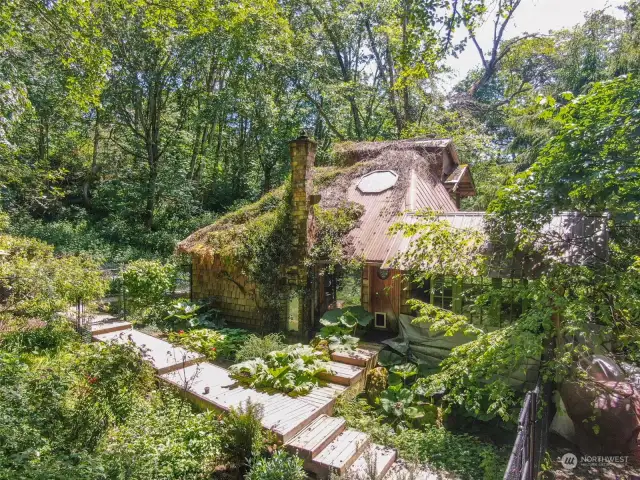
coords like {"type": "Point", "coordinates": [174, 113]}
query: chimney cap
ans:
{"type": "Point", "coordinates": [303, 135]}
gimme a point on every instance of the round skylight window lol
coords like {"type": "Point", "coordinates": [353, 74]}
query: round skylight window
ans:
{"type": "Point", "coordinates": [377, 181]}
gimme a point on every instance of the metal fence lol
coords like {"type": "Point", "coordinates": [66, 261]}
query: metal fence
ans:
{"type": "Point", "coordinates": [117, 296]}
{"type": "Point", "coordinates": [533, 430]}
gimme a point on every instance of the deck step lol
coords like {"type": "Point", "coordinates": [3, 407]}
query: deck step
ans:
{"type": "Point", "coordinates": [108, 327]}
{"type": "Point", "coordinates": [338, 456]}
{"type": "Point", "coordinates": [163, 356]}
{"type": "Point", "coordinates": [373, 463]}
{"type": "Point", "coordinates": [314, 438]}
{"type": "Point", "coordinates": [357, 357]}
{"type": "Point", "coordinates": [213, 387]}
{"type": "Point", "coordinates": [343, 374]}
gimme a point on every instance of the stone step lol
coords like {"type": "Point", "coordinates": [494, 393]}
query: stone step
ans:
{"type": "Point", "coordinates": [110, 326]}
{"type": "Point", "coordinates": [163, 356]}
{"type": "Point", "coordinates": [338, 456]}
{"type": "Point", "coordinates": [373, 463]}
{"type": "Point", "coordinates": [314, 438]}
{"type": "Point", "coordinates": [343, 374]}
{"type": "Point", "coordinates": [357, 357]}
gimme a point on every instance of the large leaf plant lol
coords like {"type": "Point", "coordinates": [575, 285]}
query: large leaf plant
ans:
{"type": "Point", "coordinates": [294, 370]}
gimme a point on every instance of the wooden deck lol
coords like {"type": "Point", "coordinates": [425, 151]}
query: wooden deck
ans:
{"type": "Point", "coordinates": [359, 357]}
{"type": "Point", "coordinates": [314, 438]}
{"type": "Point", "coordinates": [339, 455]}
{"type": "Point", "coordinates": [304, 423]}
{"type": "Point", "coordinates": [162, 355]}
{"type": "Point", "coordinates": [343, 374]}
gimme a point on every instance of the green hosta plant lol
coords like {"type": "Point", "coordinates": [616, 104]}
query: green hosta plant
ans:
{"type": "Point", "coordinates": [294, 370]}
{"type": "Point", "coordinates": [181, 314]}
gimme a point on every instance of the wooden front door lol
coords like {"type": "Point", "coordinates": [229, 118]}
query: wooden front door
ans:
{"type": "Point", "coordinates": [385, 294]}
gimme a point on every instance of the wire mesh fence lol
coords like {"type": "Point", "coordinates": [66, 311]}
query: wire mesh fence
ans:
{"type": "Point", "coordinates": [117, 303]}
{"type": "Point", "coordinates": [533, 431]}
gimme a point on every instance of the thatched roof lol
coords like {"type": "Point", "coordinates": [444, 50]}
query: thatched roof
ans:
{"type": "Point", "coordinates": [418, 165]}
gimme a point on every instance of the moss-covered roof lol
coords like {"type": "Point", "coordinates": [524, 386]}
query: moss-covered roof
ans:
{"type": "Point", "coordinates": [410, 160]}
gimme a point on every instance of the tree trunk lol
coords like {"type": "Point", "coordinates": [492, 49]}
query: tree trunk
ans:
{"type": "Point", "coordinates": [93, 172]}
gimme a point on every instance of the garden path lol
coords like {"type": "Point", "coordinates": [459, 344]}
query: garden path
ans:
{"type": "Point", "coordinates": [304, 424]}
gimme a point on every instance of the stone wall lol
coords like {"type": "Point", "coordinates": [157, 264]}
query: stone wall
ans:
{"type": "Point", "coordinates": [228, 291]}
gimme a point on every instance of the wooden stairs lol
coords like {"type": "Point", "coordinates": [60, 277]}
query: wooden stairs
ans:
{"type": "Point", "coordinates": [304, 424]}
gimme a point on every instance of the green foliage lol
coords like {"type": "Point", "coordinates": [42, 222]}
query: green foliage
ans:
{"type": "Point", "coordinates": [21, 337]}
{"type": "Point", "coordinates": [461, 455]}
{"type": "Point", "coordinates": [279, 467]}
{"type": "Point", "coordinates": [242, 435]}
{"type": "Point", "coordinates": [181, 314]}
{"type": "Point", "coordinates": [223, 343]}
{"type": "Point", "coordinates": [38, 284]}
{"type": "Point", "coordinates": [401, 374]}
{"type": "Point", "coordinates": [147, 284]}
{"type": "Point", "coordinates": [331, 226]}
{"type": "Point", "coordinates": [440, 249]}
{"type": "Point", "coordinates": [399, 404]}
{"type": "Point", "coordinates": [441, 320]}
{"type": "Point", "coordinates": [65, 403]}
{"type": "Point", "coordinates": [377, 382]}
{"type": "Point", "coordinates": [162, 439]}
{"type": "Point", "coordinates": [339, 324]}
{"type": "Point", "coordinates": [88, 411]}
{"type": "Point", "coordinates": [293, 370]}
{"type": "Point", "coordinates": [259, 347]}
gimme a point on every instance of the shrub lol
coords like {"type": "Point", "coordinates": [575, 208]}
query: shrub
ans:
{"type": "Point", "coordinates": [162, 440]}
{"type": "Point", "coordinates": [259, 347]}
{"type": "Point", "coordinates": [242, 434]}
{"type": "Point", "coordinates": [279, 467]}
{"type": "Point", "coordinates": [147, 284]}
{"type": "Point", "coordinates": [37, 284]}
{"type": "Point", "coordinates": [22, 336]}
{"type": "Point", "coordinates": [223, 343]}
{"type": "Point", "coordinates": [295, 370]}
{"type": "Point", "coordinates": [462, 455]}
{"type": "Point", "coordinates": [376, 384]}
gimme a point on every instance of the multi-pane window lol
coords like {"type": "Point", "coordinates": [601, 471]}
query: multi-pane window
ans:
{"type": "Point", "coordinates": [442, 292]}
{"type": "Point", "coordinates": [421, 290]}
{"type": "Point", "coordinates": [473, 297]}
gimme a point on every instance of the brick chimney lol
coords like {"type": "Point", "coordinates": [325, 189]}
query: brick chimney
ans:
{"type": "Point", "coordinates": [303, 154]}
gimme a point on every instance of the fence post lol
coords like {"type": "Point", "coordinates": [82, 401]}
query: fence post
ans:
{"type": "Point", "coordinates": [533, 424]}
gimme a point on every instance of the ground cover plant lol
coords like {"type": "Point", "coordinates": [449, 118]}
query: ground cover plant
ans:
{"type": "Point", "coordinates": [294, 370]}
{"type": "Point", "coordinates": [222, 343]}
{"type": "Point", "coordinates": [281, 466]}
{"type": "Point", "coordinates": [461, 455]}
{"type": "Point", "coordinates": [93, 411]}
{"type": "Point", "coordinates": [257, 346]}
